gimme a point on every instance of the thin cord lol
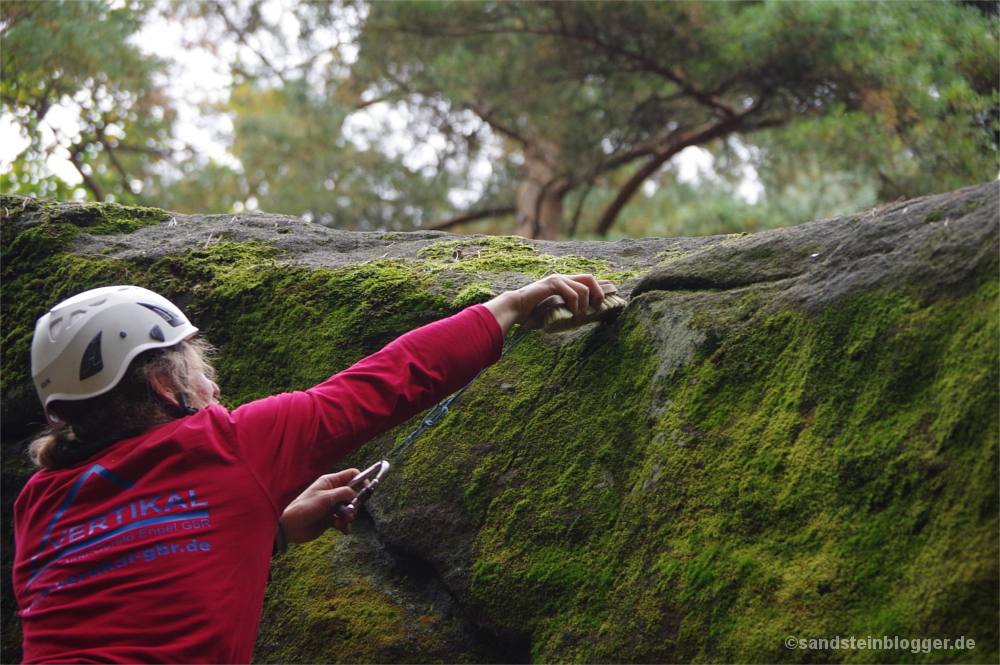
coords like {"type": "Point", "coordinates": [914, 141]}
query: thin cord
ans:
{"type": "Point", "coordinates": [441, 408]}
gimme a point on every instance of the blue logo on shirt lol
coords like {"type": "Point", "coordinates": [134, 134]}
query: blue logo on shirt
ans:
{"type": "Point", "coordinates": [146, 513]}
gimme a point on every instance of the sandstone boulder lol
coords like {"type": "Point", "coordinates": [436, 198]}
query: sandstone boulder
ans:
{"type": "Point", "coordinates": [790, 434]}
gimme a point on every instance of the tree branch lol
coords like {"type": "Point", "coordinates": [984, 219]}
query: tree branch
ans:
{"type": "Point", "coordinates": [103, 140]}
{"type": "Point", "coordinates": [574, 222]}
{"type": "Point", "coordinates": [242, 38]}
{"type": "Point", "coordinates": [698, 136]}
{"type": "Point", "coordinates": [471, 217]}
{"type": "Point", "coordinates": [88, 180]}
{"type": "Point", "coordinates": [500, 127]}
{"type": "Point", "coordinates": [152, 152]}
{"type": "Point", "coordinates": [672, 74]}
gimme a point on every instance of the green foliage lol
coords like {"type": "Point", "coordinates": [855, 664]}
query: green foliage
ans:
{"type": "Point", "coordinates": [682, 209]}
{"type": "Point", "coordinates": [901, 95]}
{"type": "Point", "coordinates": [298, 162]}
{"type": "Point", "coordinates": [924, 116]}
{"type": "Point", "coordinates": [841, 106]}
{"type": "Point", "coordinates": [66, 54]}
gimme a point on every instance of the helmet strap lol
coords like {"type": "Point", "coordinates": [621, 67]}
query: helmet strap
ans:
{"type": "Point", "coordinates": [187, 408]}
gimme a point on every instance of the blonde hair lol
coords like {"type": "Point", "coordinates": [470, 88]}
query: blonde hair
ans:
{"type": "Point", "coordinates": [129, 409]}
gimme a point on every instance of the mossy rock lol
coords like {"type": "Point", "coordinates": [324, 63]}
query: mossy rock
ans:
{"type": "Point", "coordinates": [787, 434]}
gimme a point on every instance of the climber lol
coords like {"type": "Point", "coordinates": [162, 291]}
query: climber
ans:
{"type": "Point", "coordinates": [147, 535]}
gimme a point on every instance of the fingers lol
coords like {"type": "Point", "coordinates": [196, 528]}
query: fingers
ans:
{"type": "Point", "coordinates": [579, 292]}
{"type": "Point", "coordinates": [331, 489]}
{"type": "Point", "coordinates": [592, 294]}
{"type": "Point", "coordinates": [343, 523]}
{"type": "Point", "coordinates": [337, 493]}
{"type": "Point", "coordinates": [332, 481]}
{"type": "Point", "coordinates": [331, 498]}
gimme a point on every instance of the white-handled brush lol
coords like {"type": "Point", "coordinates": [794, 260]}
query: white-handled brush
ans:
{"type": "Point", "coordinates": [556, 317]}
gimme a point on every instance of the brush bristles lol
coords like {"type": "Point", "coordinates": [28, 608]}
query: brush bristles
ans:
{"type": "Point", "coordinates": [560, 319]}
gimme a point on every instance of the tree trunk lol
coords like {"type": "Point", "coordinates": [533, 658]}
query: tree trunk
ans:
{"type": "Point", "coordinates": [539, 196]}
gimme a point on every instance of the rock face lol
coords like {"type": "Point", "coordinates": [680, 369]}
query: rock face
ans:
{"type": "Point", "coordinates": [791, 434]}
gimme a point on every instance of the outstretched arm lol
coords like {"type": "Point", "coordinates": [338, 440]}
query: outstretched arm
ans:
{"type": "Point", "coordinates": [312, 513]}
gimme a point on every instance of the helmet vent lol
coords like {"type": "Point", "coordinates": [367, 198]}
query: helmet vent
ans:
{"type": "Point", "coordinates": [173, 319]}
{"type": "Point", "coordinates": [55, 327]}
{"type": "Point", "coordinates": [92, 362]}
{"type": "Point", "coordinates": [157, 334]}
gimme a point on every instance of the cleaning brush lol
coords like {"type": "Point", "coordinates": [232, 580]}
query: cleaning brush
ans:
{"type": "Point", "coordinates": [556, 317]}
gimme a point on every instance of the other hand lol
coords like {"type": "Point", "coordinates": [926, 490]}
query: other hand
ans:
{"type": "Point", "coordinates": [312, 512]}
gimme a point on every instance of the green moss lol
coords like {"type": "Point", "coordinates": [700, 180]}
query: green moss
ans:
{"type": "Point", "coordinates": [93, 218]}
{"type": "Point", "coordinates": [478, 292]}
{"type": "Point", "coordinates": [784, 475]}
{"type": "Point", "coordinates": [111, 218]}
{"type": "Point", "coordinates": [501, 254]}
{"type": "Point", "coordinates": [38, 272]}
{"type": "Point", "coordinates": [536, 511]}
{"type": "Point", "coordinates": [491, 246]}
{"type": "Point", "coordinates": [971, 206]}
{"type": "Point", "coordinates": [944, 211]}
{"type": "Point", "coordinates": [935, 215]}
{"type": "Point", "coordinates": [285, 328]}
{"type": "Point", "coordinates": [800, 476]}
{"type": "Point", "coordinates": [326, 616]}
{"type": "Point", "coordinates": [836, 449]}
{"type": "Point", "coordinates": [335, 601]}
{"type": "Point", "coordinates": [27, 296]}
{"type": "Point", "coordinates": [670, 255]}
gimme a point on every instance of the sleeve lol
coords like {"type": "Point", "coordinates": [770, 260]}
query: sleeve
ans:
{"type": "Point", "coordinates": [291, 439]}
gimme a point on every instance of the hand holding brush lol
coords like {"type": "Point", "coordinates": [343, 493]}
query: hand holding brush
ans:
{"type": "Point", "coordinates": [556, 303]}
{"type": "Point", "coordinates": [555, 315]}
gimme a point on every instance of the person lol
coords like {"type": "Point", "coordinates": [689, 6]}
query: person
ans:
{"type": "Point", "coordinates": [147, 534]}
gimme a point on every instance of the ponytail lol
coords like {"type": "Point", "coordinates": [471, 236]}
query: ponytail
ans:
{"type": "Point", "coordinates": [57, 449]}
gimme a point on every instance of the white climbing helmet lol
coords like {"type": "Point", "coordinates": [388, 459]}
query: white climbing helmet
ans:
{"type": "Point", "coordinates": [83, 345]}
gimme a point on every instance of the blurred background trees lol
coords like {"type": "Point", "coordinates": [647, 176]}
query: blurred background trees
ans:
{"type": "Point", "coordinates": [57, 54]}
{"type": "Point", "coordinates": [552, 120]}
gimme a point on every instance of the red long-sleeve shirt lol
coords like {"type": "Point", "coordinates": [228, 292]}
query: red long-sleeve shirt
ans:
{"type": "Point", "coordinates": [157, 549]}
